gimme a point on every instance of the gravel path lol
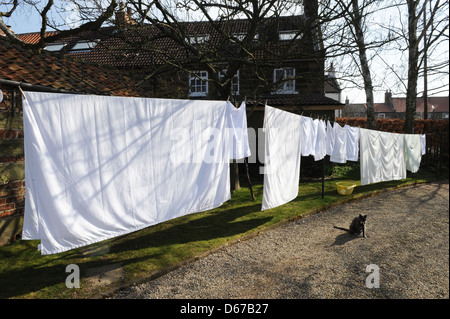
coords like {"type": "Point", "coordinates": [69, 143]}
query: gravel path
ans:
{"type": "Point", "coordinates": [408, 240]}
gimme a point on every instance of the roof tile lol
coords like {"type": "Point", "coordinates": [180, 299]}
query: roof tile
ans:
{"type": "Point", "coordinates": [48, 69]}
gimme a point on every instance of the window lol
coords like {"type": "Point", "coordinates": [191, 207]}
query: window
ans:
{"type": "Point", "coordinates": [54, 47]}
{"type": "Point", "coordinates": [381, 115]}
{"type": "Point", "coordinates": [234, 82]}
{"type": "Point", "coordinates": [84, 46]}
{"type": "Point", "coordinates": [198, 83]}
{"type": "Point", "coordinates": [198, 39]}
{"type": "Point", "coordinates": [284, 80]}
{"type": "Point", "coordinates": [240, 37]}
{"type": "Point", "coordinates": [288, 35]}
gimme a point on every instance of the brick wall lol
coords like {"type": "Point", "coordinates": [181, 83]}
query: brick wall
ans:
{"type": "Point", "coordinates": [12, 207]}
{"type": "Point", "coordinates": [12, 198]}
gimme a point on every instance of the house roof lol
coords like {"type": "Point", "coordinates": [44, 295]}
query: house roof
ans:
{"type": "Point", "coordinates": [435, 104]}
{"type": "Point", "coordinates": [354, 110]}
{"type": "Point", "coordinates": [331, 85]}
{"type": "Point", "coordinates": [49, 70]}
{"type": "Point", "coordinates": [148, 46]}
{"type": "Point", "coordinates": [382, 108]}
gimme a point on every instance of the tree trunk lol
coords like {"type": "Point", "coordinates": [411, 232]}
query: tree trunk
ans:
{"type": "Point", "coordinates": [368, 87]}
{"type": "Point", "coordinates": [413, 72]}
{"type": "Point", "coordinates": [234, 176]}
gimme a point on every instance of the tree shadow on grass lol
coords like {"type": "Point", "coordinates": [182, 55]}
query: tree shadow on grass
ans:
{"type": "Point", "coordinates": [213, 225]}
{"type": "Point", "coordinates": [49, 271]}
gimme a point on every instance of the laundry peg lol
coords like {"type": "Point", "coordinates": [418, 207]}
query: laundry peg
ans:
{"type": "Point", "coordinates": [23, 94]}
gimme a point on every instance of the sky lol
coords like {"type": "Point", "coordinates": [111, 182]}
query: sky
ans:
{"type": "Point", "coordinates": [29, 21]}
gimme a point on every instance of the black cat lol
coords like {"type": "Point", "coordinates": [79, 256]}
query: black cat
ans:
{"type": "Point", "coordinates": [357, 226]}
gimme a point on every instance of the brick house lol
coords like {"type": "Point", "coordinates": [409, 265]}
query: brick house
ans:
{"type": "Point", "coordinates": [395, 108]}
{"type": "Point", "coordinates": [286, 67]}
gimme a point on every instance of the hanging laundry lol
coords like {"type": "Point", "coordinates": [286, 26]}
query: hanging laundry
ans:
{"type": "Point", "coordinates": [308, 135]}
{"type": "Point", "coordinates": [352, 143]}
{"type": "Point", "coordinates": [423, 138]}
{"type": "Point", "coordinates": [321, 141]}
{"type": "Point", "coordinates": [413, 152]}
{"type": "Point", "coordinates": [283, 151]}
{"type": "Point", "coordinates": [381, 156]}
{"type": "Point", "coordinates": [339, 154]}
{"type": "Point", "coordinates": [330, 138]}
{"type": "Point", "coordinates": [98, 167]}
{"type": "Point", "coordinates": [239, 133]}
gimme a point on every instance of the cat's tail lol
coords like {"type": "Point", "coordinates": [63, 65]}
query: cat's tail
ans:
{"type": "Point", "coordinates": [347, 230]}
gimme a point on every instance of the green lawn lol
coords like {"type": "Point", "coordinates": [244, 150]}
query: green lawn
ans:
{"type": "Point", "coordinates": [7, 121]}
{"type": "Point", "coordinates": [24, 273]}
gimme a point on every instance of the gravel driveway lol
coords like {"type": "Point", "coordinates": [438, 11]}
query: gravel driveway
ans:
{"type": "Point", "coordinates": [408, 242]}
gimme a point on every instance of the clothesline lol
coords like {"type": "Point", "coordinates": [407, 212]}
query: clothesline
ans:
{"type": "Point", "coordinates": [99, 167]}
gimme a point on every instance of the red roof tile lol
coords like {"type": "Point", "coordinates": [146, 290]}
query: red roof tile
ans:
{"type": "Point", "coordinates": [435, 104]}
{"type": "Point", "coordinates": [47, 69]}
{"type": "Point", "coordinates": [119, 49]}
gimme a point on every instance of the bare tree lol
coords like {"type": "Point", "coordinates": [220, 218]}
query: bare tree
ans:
{"type": "Point", "coordinates": [93, 22]}
{"type": "Point", "coordinates": [349, 40]}
{"type": "Point", "coordinates": [424, 40]}
{"type": "Point", "coordinates": [222, 55]}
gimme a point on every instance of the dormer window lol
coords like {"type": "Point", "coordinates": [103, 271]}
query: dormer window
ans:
{"type": "Point", "coordinates": [55, 47]}
{"type": "Point", "coordinates": [84, 46]}
{"type": "Point", "coordinates": [198, 39]}
{"type": "Point", "coordinates": [240, 37]}
{"type": "Point", "coordinates": [289, 35]}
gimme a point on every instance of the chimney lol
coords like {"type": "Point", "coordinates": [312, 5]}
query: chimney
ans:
{"type": "Point", "coordinates": [388, 97]}
{"type": "Point", "coordinates": [310, 8]}
{"type": "Point", "coordinates": [124, 19]}
{"type": "Point", "coordinates": [388, 100]}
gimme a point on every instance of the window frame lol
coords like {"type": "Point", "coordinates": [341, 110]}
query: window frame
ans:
{"type": "Point", "coordinates": [53, 47]}
{"type": "Point", "coordinates": [198, 39]}
{"type": "Point", "coordinates": [84, 46]}
{"type": "Point", "coordinates": [289, 35]}
{"type": "Point", "coordinates": [200, 79]}
{"type": "Point", "coordinates": [287, 86]}
{"type": "Point", "coordinates": [234, 82]}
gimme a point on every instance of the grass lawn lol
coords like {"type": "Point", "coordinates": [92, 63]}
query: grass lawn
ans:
{"type": "Point", "coordinates": [24, 273]}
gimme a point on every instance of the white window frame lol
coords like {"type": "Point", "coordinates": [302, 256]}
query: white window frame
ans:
{"type": "Point", "coordinates": [240, 37]}
{"type": "Point", "coordinates": [198, 83]}
{"type": "Point", "coordinates": [198, 39]}
{"type": "Point", "coordinates": [84, 46]}
{"type": "Point", "coordinates": [381, 115]}
{"type": "Point", "coordinates": [235, 85]}
{"type": "Point", "coordinates": [55, 47]}
{"type": "Point", "coordinates": [287, 86]}
{"type": "Point", "coordinates": [289, 35]}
